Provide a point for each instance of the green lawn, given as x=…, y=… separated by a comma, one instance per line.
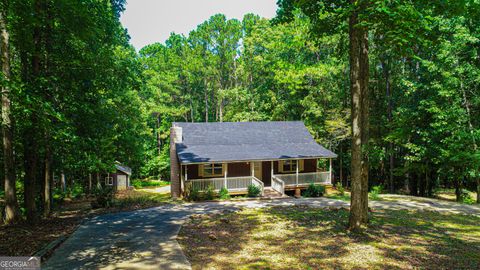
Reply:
x=148, y=183
x=307, y=238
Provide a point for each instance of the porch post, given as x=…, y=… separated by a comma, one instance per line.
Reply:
x=186, y=174
x=296, y=173
x=225, y=178
x=330, y=172
x=182, y=179
x=271, y=169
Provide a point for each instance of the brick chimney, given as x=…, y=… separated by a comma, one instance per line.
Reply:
x=176, y=136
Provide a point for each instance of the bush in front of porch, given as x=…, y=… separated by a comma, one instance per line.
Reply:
x=314, y=191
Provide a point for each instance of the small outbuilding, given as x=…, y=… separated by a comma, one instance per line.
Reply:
x=120, y=180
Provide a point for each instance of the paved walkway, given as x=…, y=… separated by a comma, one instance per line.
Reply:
x=146, y=239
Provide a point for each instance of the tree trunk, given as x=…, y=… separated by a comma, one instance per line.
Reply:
x=359, y=93
x=47, y=181
x=90, y=184
x=99, y=185
x=478, y=189
x=159, y=139
x=63, y=183
x=458, y=190
x=413, y=184
x=341, y=166
x=386, y=73
x=206, y=100
x=30, y=155
x=474, y=142
x=12, y=212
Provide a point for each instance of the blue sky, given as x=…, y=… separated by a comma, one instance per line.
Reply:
x=150, y=21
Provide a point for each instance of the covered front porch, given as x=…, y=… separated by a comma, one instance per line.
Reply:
x=278, y=175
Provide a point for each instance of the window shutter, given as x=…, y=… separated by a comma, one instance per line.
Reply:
x=280, y=166
x=200, y=170
x=300, y=165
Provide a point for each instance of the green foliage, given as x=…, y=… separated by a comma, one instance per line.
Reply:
x=104, y=197
x=465, y=197
x=76, y=191
x=375, y=192
x=209, y=193
x=314, y=191
x=141, y=200
x=223, y=194
x=193, y=194
x=340, y=188
x=253, y=191
x=142, y=183
x=58, y=196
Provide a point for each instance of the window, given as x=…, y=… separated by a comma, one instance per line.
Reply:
x=289, y=166
x=213, y=169
x=109, y=181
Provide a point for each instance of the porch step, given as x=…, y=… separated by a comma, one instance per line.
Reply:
x=269, y=192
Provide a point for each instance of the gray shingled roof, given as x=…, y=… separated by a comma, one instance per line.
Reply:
x=242, y=141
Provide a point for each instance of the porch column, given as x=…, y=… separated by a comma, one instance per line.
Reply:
x=186, y=172
x=330, y=172
x=271, y=169
x=296, y=173
x=225, y=178
x=182, y=179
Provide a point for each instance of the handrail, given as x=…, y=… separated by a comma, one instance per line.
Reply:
x=258, y=182
x=277, y=181
x=305, y=178
x=230, y=183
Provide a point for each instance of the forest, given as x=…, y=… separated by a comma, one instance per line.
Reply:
x=77, y=97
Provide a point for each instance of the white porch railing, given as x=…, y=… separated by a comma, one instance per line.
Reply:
x=231, y=183
x=304, y=178
x=278, y=184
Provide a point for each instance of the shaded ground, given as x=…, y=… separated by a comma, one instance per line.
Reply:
x=146, y=239
x=25, y=240
x=302, y=237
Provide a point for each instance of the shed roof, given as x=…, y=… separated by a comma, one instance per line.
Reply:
x=244, y=141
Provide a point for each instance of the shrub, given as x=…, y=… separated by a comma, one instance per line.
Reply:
x=209, y=193
x=103, y=197
x=375, y=192
x=193, y=194
x=314, y=191
x=223, y=194
x=465, y=197
x=253, y=191
x=76, y=191
x=340, y=189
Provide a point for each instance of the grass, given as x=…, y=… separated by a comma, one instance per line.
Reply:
x=449, y=194
x=138, y=199
x=146, y=183
x=308, y=238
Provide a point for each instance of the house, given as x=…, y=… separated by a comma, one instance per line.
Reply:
x=120, y=180
x=275, y=155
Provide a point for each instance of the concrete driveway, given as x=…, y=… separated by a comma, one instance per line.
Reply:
x=146, y=239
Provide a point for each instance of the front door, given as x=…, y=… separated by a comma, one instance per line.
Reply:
x=257, y=170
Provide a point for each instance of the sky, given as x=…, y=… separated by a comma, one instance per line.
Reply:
x=150, y=21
